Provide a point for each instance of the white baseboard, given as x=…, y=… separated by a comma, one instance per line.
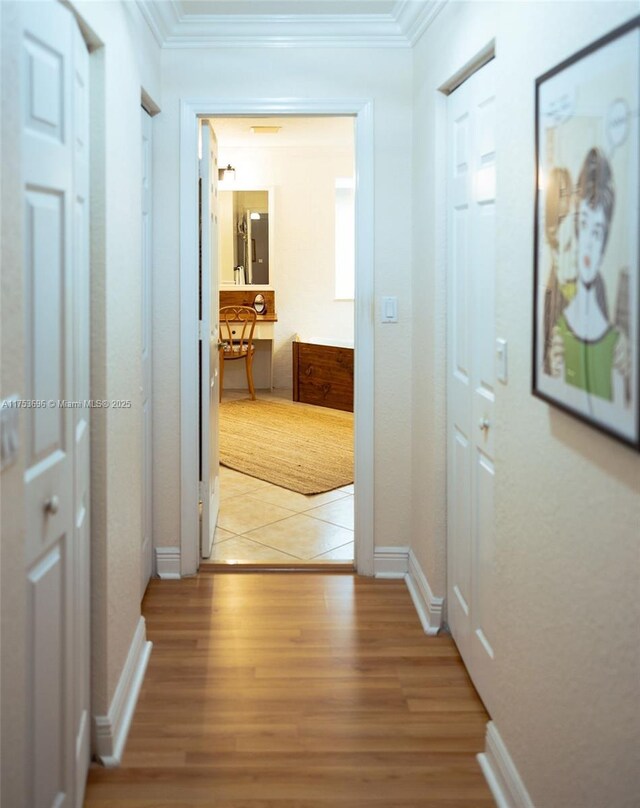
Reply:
x=400, y=562
x=501, y=774
x=428, y=606
x=390, y=562
x=168, y=562
x=110, y=731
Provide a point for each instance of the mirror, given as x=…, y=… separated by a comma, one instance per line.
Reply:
x=260, y=304
x=243, y=247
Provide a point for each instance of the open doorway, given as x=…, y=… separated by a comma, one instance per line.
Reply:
x=187, y=555
x=285, y=216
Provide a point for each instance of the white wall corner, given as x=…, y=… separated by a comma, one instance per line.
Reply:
x=429, y=607
x=390, y=562
x=168, y=562
x=111, y=730
x=501, y=774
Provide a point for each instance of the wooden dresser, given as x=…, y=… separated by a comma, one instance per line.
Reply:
x=323, y=375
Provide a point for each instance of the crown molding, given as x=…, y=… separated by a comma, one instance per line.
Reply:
x=161, y=17
x=415, y=17
x=173, y=28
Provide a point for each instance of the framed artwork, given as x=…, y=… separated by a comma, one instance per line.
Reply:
x=586, y=349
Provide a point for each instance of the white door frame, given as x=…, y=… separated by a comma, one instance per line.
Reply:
x=146, y=550
x=190, y=111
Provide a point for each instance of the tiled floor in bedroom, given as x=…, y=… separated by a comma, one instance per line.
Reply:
x=263, y=523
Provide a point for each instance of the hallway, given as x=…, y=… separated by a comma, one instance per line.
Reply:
x=278, y=690
x=493, y=187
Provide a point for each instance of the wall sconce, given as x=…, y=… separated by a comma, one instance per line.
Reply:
x=228, y=173
x=255, y=215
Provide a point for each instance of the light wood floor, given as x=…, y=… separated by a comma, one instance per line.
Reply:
x=296, y=691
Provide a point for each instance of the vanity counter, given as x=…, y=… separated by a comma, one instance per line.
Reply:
x=245, y=297
x=263, y=336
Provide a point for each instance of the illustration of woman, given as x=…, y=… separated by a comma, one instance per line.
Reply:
x=560, y=235
x=584, y=341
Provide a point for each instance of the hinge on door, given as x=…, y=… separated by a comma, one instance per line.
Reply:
x=201, y=491
x=200, y=329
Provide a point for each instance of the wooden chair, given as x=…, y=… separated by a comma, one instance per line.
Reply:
x=237, y=324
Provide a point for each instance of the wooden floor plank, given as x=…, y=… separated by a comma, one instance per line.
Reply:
x=296, y=691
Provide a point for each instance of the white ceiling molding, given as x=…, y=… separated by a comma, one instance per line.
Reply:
x=175, y=27
x=415, y=18
x=162, y=18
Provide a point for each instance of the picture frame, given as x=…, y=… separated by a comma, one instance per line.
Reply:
x=586, y=302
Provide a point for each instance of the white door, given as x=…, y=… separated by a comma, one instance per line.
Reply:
x=209, y=325
x=147, y=456
x=471, y=206
x=55, y=165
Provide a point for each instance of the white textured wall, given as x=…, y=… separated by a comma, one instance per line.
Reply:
x=302, y=269
x=127, y=62
x=567, y=567
x=385, y=76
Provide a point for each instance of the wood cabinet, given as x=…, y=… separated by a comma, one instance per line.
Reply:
x=323, y=375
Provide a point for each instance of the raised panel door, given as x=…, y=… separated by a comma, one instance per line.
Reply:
x=471, y=205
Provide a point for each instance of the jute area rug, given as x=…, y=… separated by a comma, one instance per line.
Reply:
x=305, y=449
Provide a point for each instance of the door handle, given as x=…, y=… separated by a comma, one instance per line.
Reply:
x=484, y=424
x=52, y=505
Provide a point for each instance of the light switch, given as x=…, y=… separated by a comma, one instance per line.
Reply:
x=389, y=309
x=8, y=431
x=501, y=360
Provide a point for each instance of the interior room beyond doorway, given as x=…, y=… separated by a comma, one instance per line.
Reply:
x=286, y=231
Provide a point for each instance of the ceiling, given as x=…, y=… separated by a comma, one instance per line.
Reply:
x=288, y=23
x=295, y=131
x=302, y=7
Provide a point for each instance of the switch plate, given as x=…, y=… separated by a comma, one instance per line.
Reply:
x=389, y=310
x=9, y=425
x=501, y=360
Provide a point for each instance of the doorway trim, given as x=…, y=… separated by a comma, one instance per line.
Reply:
x=191, y=110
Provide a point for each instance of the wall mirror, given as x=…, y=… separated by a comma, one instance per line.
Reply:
x=243, y=246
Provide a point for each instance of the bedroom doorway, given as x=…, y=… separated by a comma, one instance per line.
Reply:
x=362, y=494
x=285, y=214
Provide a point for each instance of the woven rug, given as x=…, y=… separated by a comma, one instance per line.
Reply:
x=305, y=449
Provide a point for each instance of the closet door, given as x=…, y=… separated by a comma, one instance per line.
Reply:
x=55, y=203
x=471, y=205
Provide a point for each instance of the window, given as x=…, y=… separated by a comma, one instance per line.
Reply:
x=345, y=239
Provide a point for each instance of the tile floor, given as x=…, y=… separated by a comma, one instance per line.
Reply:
x=263, y=523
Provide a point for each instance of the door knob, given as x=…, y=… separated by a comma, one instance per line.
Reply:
x=52, y=505
x=484, y=424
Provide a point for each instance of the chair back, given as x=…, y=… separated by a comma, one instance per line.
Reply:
x=237, y=324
